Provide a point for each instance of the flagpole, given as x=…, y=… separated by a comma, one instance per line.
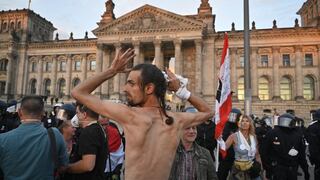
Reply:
x=247, y=74
x=217, y=157
x=29, y=4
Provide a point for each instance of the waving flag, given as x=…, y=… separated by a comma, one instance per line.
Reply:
x=223, y=95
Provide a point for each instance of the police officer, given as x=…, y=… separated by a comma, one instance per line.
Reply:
x=313, y=137
x=286, y=150
x=3, y=120
x=263, y=126
x=231, y=127
x=205, y=135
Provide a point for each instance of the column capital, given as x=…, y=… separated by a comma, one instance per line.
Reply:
x=100, y=46
x=275, y=49
x=233, y=50
x=136, y=43
x=69, y=56
x=318, y=46
x=117, y=45
x=198, y=42
x=254, y=50
x=177, y=42
x=157, y=42
x=298, y=48
x=11, y=55
x=84, y=55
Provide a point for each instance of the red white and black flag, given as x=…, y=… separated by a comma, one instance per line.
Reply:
x=223, y=95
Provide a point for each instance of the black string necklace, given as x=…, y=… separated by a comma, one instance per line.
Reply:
x=168, y=120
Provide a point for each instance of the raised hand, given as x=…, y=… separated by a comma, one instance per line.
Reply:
x=174, y=83
x=119, y=63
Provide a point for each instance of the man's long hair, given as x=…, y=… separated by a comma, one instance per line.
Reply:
x=151, y=74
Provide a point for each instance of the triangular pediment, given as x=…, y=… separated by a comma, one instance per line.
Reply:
x=149, y=19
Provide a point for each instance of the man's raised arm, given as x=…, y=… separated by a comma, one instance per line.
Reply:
x=82, y=92
x=205, y=112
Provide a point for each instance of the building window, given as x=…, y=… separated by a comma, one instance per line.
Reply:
x=263, y=88
x=286, y=59
x=75, y=82
x=264, y=60
x=47, y=66
x=2, y=87
x=5, y=27
x=77, y=65
x=285, y=89
x=241, y=88
x=308, y=58
x=241, y=61
x=3, y=65
x=19, y=25
x=33, y=66
x=308, y=88
x=12, y=26
x=62, y=87
x=62, y=66
x=33, y=86
x=47, y=85
x=92, y=65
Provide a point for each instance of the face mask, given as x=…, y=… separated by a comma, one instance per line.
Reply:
x=75, y=121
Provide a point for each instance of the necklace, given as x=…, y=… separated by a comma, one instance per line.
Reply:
x=168, y=120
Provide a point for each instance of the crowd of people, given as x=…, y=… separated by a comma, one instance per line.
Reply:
x=96, y=139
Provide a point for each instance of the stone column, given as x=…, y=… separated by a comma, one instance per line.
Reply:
x=158, y=59
x=84, y=67
x=8, y=87
x=106, y=64
x=234, y=77
x=22, y=70
x=54, y=76
x=69, y=74
x=276, y=78
x=178, y=65
x=99, y=60
x=136, y=45
x=319, y=71
x=208, y=71
x=26, y=77
x=141, y=57
x=254, y=73
x=39, y=76
x=298, y=73
x=198, y=67
x=116, y=80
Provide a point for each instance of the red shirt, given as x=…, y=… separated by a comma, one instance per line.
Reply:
x=114, y=139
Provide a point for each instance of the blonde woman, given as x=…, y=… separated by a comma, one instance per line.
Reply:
x=246, y=151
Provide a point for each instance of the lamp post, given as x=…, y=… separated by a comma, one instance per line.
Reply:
x=247, y=74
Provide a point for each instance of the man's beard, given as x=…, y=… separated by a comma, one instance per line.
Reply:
x=132, y=103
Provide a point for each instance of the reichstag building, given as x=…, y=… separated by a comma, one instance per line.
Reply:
x=285, y=62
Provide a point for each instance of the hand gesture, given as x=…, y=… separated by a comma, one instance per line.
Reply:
x=174, y=83
x=119, y=63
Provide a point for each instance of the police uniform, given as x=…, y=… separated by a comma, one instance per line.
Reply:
x=313, y=138
x=231, y=127
x=286, y=150
x=262, y=128
x=205, y=136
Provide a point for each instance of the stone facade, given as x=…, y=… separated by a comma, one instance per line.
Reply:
x=285, y=62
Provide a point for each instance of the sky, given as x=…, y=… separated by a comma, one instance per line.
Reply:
x=78, y=16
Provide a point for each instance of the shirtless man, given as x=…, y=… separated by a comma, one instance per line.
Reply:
x=152, y=134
